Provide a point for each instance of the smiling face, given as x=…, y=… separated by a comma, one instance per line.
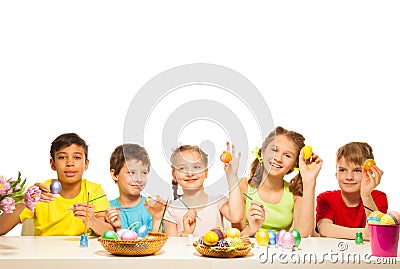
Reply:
x=189, y=170
x=132, y=177
x=280, y=156
x=349, y=175
x=69, y=163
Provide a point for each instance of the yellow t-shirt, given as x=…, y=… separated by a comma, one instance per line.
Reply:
x=54, y=218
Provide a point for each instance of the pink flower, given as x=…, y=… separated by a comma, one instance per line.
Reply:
x=4, y=186
x=7, y=205
x=17, y=187
x=32, y=196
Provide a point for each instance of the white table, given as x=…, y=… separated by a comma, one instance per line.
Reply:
x=64, y=252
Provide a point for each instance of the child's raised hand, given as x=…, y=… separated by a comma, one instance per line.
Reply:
x=370, y=180
x=256, y=216
x=45, y=195
x=309, y=170
x=156, y=207
x=79, y=211
x=231, y=168
x=113, y=217
x=189, y=221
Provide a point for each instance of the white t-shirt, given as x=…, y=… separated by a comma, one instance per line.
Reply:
x=208, y=217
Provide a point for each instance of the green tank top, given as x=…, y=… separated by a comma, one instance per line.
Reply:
x=281, y=214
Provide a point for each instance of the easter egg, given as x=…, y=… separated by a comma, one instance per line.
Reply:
x=262, y=237
x=368, y=164
x=142, y=231
x=297, y=237
x=226, y=157
x=129, y=235
x=375, y=217
x=233, y=233
x=110, y=235
x=395, y=216
x=386, y=220
x=287, y=240
x=121, y=231
x=272, y=237
x=236, y=242
x=307, y=152
x=219, y=233
x=210, y=238
x=279, y=237
x=151, y=201
x=55, y=186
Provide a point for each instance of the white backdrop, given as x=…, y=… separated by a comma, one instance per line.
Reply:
x=327, y=70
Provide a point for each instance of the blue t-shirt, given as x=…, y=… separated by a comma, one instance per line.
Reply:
x=137, y=213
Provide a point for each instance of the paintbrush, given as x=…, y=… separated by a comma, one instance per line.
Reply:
x=118, y=208
x=87, y=214
x=94, y=199
x=262, y=206
x=180, y=199
x=163, y=214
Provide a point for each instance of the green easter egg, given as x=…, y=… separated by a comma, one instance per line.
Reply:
x=297, y=237
x=110, y=235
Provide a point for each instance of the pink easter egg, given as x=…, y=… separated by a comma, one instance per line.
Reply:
x=129, y=235
x=121, y=232
x=279, y=237
x=287, y=240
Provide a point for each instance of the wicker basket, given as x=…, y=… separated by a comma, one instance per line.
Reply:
x=223, y=252
x=146, y=246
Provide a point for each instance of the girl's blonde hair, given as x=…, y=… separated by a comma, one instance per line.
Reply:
x=355, y=152
x=178, y=150
x=257, y=168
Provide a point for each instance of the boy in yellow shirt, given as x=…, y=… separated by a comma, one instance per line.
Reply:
x=64, y=214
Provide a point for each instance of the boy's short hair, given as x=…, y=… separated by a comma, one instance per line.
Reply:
x=355, y=152
x=66, y=140
x=127, y=152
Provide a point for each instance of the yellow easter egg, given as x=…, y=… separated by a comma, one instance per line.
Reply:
x=210, y=238
x=262, y=237
x=233, y=233
x=307, y=152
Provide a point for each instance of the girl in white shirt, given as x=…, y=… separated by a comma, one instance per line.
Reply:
x=195, y=212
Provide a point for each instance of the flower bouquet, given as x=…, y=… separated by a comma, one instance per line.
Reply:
x=12, y=192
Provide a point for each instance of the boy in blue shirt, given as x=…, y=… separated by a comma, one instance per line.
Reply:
x=129, y=168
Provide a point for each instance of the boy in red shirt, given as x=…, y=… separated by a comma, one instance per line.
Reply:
x=343, y=213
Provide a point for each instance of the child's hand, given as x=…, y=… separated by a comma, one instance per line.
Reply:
x=231, y=168
x=256, y=216
x=189, y=221
x=45, y=195
x=309, y=170
x=156, y=209
x=79, y=211
x=113, y=217
x=370, y=180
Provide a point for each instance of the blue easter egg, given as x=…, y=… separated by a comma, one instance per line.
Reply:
x=142, y=231
x=272, y=237
x=55, y=186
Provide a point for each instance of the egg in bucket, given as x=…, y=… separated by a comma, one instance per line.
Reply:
x=384, y=236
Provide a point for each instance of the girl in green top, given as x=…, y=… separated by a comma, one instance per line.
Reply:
x=277, y=204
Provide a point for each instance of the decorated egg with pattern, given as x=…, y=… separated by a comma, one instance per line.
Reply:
x=55, y=186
